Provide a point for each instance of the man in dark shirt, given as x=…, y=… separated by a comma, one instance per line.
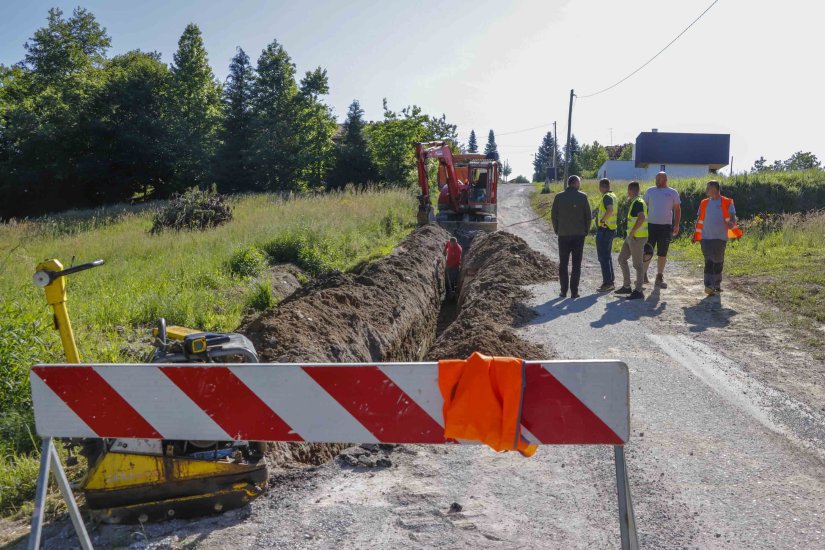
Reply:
x=570, y=216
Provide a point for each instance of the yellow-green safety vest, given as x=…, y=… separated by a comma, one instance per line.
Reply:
x=631, y=220
x=610, y=220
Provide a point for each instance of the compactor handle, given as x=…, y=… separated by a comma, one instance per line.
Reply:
x=45, y=277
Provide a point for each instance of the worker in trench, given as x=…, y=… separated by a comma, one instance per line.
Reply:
x=452, y=251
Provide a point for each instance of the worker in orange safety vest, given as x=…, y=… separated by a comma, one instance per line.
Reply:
x=715, y=225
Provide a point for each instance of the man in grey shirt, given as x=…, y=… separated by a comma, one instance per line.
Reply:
x=664, y=210
x=715, y=224
x=570, y=216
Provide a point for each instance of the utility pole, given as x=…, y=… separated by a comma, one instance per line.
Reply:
x=567, y=150
x=611, y=137
x=731, y=166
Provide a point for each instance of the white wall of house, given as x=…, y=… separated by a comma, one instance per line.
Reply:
x=627, y=170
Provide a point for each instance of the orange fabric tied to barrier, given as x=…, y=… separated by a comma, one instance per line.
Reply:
x=483, y=401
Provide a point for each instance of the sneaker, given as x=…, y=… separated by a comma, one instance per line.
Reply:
x=636, y=295
x=624, y=290
x=709, y=291
x=574, y=295
x=718, y=289
x=660, y=281
x=563, y=294
x=606, y=287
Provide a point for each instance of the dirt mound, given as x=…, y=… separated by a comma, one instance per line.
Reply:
x=388, y=312
x=491, y=299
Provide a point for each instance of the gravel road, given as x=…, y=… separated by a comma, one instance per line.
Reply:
x=722, y=453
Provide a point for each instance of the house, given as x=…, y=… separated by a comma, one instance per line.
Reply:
x=681, y=155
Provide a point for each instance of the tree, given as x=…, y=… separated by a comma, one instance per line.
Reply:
x=627, y=152
x=65, y=47
x=315, y=128
x=760, y=165
x=353, y=163
x=43, y=105
x=275, y=119
x=506, y=170
x=472, y=143
x=194, y=111
x=491, y=149
x=543, y=159
x=234, y=167
x=802, y=161
x=591, y=158
x=391, y=142
x=127, y=137
x=520, y=179
x=574, y=166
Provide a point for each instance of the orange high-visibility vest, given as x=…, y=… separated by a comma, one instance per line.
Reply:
x=733, y=233
x=482, y=401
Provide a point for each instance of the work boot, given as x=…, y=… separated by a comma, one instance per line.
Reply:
x=636, y=295
x=717, y=289
x=606, y=287
x=624, y=290
x=660, y=281
x=709, y=291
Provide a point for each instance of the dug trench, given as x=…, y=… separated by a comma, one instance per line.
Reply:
x=395, y=309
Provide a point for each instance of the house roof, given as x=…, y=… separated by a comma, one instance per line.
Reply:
x=712, y=150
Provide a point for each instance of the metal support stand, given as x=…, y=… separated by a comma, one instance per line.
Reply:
x=627, y=519
x=49, y=460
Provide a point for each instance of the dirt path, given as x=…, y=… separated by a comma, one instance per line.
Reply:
x=724, y=452
x=719, y=456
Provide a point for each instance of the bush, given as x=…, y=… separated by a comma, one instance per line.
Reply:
x=247, y=262
x=519, y=179
x=261, y=297
x=194, y=209
x=308, y=250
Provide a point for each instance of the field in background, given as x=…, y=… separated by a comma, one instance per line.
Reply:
x=207, y=280
x=780, y=258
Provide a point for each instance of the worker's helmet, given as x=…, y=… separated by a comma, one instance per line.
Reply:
x=648, y=253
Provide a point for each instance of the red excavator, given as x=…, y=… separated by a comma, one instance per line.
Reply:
x=468, y=203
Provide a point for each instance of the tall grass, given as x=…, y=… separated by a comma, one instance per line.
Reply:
x=203, y=279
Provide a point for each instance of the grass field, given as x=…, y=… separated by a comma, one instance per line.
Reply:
x=780, y=257
x=207, y=280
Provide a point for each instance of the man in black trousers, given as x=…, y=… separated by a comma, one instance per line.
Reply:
x=570, y=216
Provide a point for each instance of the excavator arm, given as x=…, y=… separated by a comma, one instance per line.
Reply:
x=438, y=150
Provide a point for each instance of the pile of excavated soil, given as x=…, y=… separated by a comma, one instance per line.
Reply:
x=387, y=312
x=492, y=299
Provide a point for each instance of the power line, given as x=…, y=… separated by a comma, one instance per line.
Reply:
x=525, y=130
x=654, y=57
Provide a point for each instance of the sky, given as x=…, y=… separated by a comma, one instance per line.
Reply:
x=751, y=68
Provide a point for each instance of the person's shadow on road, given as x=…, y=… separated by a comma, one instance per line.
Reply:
x=708, y=313
x=622, y=309
x=559, y=307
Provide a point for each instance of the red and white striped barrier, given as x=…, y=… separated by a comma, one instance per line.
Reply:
x=565, y=402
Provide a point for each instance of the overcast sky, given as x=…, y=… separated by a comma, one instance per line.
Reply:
x=751, y=68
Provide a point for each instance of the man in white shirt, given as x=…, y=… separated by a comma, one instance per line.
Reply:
x=664, y=209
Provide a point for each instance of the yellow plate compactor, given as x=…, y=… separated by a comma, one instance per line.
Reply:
x=139, y=480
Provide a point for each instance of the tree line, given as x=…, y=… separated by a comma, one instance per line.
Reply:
x=80, y=129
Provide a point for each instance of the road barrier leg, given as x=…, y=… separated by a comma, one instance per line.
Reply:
x=50, y=460
x=627, y=519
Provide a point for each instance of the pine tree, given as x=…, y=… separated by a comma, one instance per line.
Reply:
x=491, y=150
x=315, y=129
x=543, y=159
x=472, y=144
x=275, y=119
x=234, y=166
x=353, y=162
x=574, y=166
x=194, y=111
